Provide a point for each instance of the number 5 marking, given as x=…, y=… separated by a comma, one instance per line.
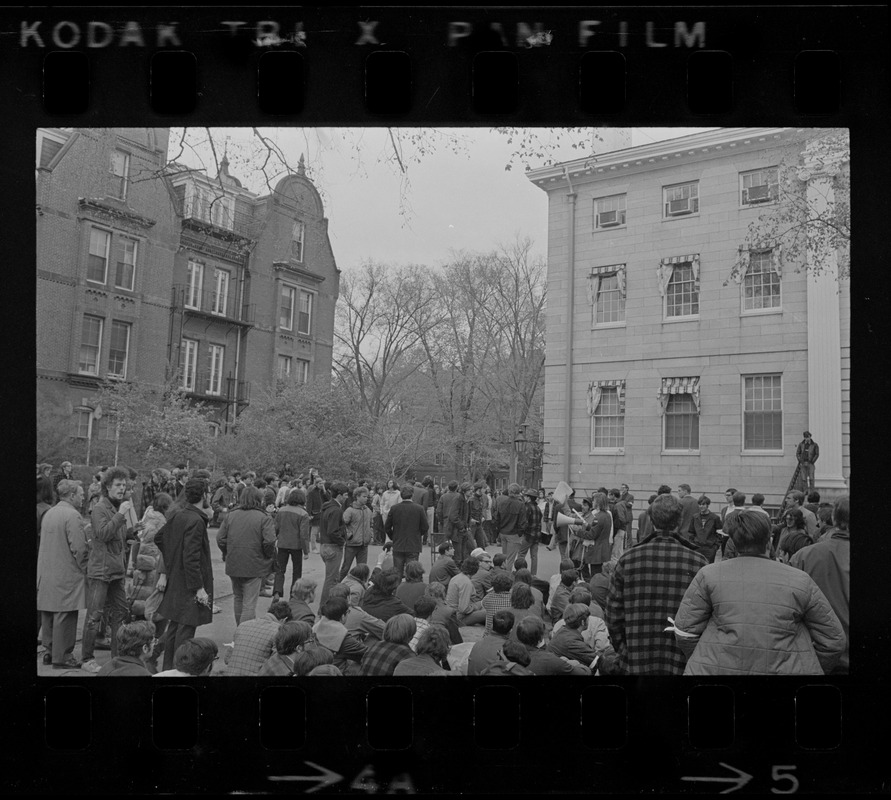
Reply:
x=777, y=774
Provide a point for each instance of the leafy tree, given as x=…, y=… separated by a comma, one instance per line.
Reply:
x=803, y=230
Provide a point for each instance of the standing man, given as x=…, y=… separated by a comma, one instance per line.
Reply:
x=66, y=474
x=406, y=525
x=706, y=525
x=292, y=541
x=188, y=597
x=107, y=568
x=647, y=587
x=61, y=575
x=222, y=500
x=689, y=509
x=332, y=536
x=452, y=512
x=357, y=518
x=150, y=488
x=510, y=523
x=475, y=504
x=807, y=453
x=428, y=501
x=533, y=530
x=316, y=497
x=795, y=499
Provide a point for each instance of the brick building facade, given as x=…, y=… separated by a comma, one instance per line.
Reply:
x=146, y=270
x=659, y=367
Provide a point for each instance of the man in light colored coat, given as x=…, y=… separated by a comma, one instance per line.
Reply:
x=61, y=575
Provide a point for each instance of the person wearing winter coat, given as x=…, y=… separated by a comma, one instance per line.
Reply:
x=357, y=519
x=591, y=546
x=292, y=531
x=791, y=630
x=188, y=596
x=61, y=575
x=135, y=643
x=247, y=541
x=331, y=632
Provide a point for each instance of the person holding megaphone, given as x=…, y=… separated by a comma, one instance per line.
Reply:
x=591, y=540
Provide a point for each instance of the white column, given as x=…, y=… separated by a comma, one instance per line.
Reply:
x=823, y=333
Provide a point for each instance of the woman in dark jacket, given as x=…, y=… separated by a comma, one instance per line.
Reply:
x=188, y=596
x=593, y=545
x=292, y=523
x=247, y=540
x=793, y=536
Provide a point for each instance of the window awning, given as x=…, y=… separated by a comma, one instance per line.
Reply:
x=666, y=268
x=598, y=272
x=745, y=258
x=670, y=386
x=595, y=391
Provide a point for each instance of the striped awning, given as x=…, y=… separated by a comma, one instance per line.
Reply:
x=666, y=268
x=670, y=386
x=745, y=254
x=595, y=390
x=598, y=272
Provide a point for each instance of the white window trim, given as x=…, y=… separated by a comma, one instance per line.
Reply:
x=299, y=223
x=297, y=312
x=595, y=325
x=291, y=327
x=78, y=411
x=684, y=451
x=605, y=451
x=674, y=218
x=215, y=389
x=98, y=349
x=217, y=272
x=189, y=375
x=286, y=361
x=125, y=176
x=132, y=286
x=104, y=281
x=189, y=273
x=302, y=365
x=122, y=376
x=768, y=203
x=742, y=417
x=757, y=312
x=687, y=317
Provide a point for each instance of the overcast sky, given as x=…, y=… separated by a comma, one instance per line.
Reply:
x=444, y=201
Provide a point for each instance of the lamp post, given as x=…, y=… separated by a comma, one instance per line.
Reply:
x=519, y=449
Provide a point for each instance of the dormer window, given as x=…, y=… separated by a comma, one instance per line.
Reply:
x=297, y=236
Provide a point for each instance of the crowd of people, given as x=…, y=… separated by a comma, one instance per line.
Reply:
x=685, y=590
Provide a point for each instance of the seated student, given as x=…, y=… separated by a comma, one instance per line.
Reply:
x=380, y=600
x=554, y=581
x=414, y=586
x=359, y=623
x=542, y=587
x=445, y=568
x=514, y=661
x=290, y=638
x=433, y=649
x=310, y=657
x=254, y=640
x=595, y=632
x=135, y=643
x=567, y=641
x=599, y=584
x=444, y=614
x=324, y=670
x=302, y=594
x=498, y=562
x=357, y=581
x=538, y=605
x=193, y=659
x=424, y=608
x=381, y=658
x=332, y=633
x=568, y=580
x=487, y=649
x=460, y=595
x=531, y=634
x=522, y=604
x=498, y=599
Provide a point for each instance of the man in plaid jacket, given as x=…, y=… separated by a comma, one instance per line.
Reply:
x=648, y=585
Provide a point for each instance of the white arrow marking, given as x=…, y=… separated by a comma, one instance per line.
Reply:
x=327, y=778
x=741, y=779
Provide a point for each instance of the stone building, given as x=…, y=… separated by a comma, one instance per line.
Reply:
x=661, y=368
x=148, y=271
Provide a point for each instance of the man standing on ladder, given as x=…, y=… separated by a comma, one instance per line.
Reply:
x=807, y=453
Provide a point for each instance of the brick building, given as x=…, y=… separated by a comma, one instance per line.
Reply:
x=146, y=270
x=659, y=368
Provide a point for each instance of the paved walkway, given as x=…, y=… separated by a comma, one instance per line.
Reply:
x=222, y=629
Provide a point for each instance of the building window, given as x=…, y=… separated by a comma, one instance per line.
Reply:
x=680, y=200
x=222, y=211
x=284, y=367
x=107, y=427
x=302, y=370
x=48, y=145
x=682, y=290
x=120, y=173
x=763, y=412
x=97, y=262
x=304, y=319
x=758, y=186
x=126, y=264
x=220, y=291
x=609, y=212
x=189, y=363
x=80, y=423
x=195, y=285
x=608, y=297
x=215, y=370
x=197, y=202
x=118, y=349
x=439, y=460
x=297, y=236
x=679, y=406
x=90, y=346
x=608, y=417
x=286, y=310
x=761, y=284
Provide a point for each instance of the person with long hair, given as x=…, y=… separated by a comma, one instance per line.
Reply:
x=793, y=536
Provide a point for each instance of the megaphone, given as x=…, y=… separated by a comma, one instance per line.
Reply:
x=564, y=519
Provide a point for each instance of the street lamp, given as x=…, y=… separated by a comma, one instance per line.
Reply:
x=519, y=449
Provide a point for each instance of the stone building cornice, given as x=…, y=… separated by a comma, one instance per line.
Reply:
x=288, y=267
x=96, y=208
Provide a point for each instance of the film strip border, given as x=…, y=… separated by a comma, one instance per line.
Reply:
x=435, y=736
x=555, y=66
